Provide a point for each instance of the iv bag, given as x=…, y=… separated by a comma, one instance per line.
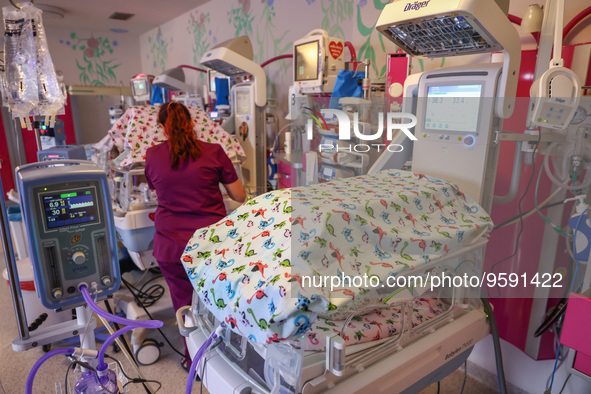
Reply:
x=19, y=64
x=51, y=98
x=3, y=87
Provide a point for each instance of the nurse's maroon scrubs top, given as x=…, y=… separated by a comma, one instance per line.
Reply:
x=189, y=197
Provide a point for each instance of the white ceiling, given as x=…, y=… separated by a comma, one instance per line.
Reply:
x=94, y=14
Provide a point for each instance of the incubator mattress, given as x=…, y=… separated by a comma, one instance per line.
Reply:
x=250, y=268
x=138, y=130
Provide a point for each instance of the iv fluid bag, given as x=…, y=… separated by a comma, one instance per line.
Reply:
x=19, y=62
x=51, y=98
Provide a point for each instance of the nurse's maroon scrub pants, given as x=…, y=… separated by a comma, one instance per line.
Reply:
x=181, y=289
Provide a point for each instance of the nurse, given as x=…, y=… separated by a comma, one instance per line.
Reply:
x=186, y=174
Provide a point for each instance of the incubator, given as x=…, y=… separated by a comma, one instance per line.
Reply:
x=413, y=319
x=133, y=202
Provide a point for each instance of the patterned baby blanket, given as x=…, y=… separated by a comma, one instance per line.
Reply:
x=260, y=269
x=138, y=130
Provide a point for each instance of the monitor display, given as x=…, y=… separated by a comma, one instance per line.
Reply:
x=140, y=87
x=306, y=61
x=453, y=108
x=242, y=103
x=65, y=208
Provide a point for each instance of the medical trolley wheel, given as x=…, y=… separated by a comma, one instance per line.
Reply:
x=148, y=353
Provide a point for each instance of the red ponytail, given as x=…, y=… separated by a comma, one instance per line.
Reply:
x=178, y=127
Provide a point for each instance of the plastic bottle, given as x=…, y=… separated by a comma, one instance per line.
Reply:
x=88, y=383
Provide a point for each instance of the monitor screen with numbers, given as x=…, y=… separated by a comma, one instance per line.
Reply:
x=453, y=108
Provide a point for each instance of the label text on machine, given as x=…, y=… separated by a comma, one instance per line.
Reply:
x=417, y=5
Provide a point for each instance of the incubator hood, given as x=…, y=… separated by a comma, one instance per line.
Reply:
x=234, y=58
x=173, y=79
x=437, y=28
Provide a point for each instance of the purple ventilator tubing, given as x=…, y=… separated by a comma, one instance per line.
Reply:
x=131, y=324
x=198, y=356
x=51, y=353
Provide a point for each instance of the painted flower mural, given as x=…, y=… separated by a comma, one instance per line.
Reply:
x=202, y=35
x=335, y=13
x=159, y=47
x=241, y=18
x=97, y=65
x=269, y=43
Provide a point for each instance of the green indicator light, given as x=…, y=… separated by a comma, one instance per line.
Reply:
x=88, y=192
x=66, y=195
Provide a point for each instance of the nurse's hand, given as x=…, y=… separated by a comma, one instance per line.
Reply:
x=236, y=191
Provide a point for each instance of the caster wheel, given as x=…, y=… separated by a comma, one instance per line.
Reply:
x=148, y=353
x=46, y=348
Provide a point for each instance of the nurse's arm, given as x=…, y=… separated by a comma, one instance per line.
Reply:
x=236, y=191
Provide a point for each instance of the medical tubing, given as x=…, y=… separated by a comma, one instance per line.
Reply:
x=101, y=354
x=577, y=271
x=351, y=48
x=117, y=319
x=575, y=21
x=278, y=134
x=496, y=344
x=274, y=59
x=555, y=180
x=193, y=68
x=200, y=354
x=556, y=228
x=126, y=351
x=51, y=353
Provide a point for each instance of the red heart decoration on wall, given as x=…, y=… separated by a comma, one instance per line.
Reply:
x=335, y=49
x=152, y=216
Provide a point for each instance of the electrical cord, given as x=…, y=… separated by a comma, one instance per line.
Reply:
x=465, y=376
x=66, y=378
x=131, y=380
x=150, y=296
x=438, y=387
x=150, y=316
x=121, y=340
x=496, y=344
x=492, y=269
x=565, y=382
x=527, y=214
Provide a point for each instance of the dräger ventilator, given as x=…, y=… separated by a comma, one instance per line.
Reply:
x=68, y=215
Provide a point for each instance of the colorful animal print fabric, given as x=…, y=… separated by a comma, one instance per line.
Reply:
x=138, y=129
x=260, y=268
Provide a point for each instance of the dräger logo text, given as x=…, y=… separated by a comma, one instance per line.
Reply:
x=416, y=5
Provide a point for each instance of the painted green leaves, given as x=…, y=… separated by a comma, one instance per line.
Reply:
x=199, y=28
x=159, y=50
